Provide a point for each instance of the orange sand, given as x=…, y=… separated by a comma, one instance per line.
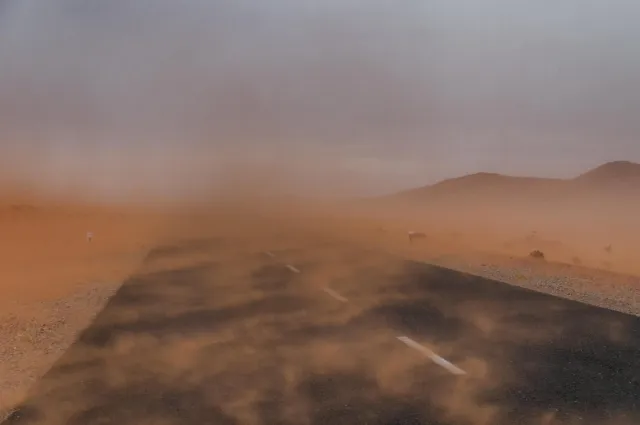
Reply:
x=46, y=255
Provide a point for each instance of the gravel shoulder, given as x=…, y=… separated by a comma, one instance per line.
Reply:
x=596, y=287
x=35, y=335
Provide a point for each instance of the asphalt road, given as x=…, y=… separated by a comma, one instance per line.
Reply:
x=333, y=335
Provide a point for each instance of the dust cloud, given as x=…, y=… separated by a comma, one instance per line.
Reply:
x=150, y=99
x=190, y=139
x=211, y=327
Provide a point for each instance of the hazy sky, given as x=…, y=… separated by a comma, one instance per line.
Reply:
x=395, y=93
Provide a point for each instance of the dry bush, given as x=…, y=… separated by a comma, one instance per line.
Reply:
x=537, y=254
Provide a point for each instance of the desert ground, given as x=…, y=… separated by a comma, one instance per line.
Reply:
x=54, y=281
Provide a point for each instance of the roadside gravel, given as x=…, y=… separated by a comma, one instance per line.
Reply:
x=596, y=287
x=602, y=288
x=34, y=336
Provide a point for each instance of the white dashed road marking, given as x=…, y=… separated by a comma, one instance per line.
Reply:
x=293, y=269
x=405, y=339
x=335, y=295
x=432, y=356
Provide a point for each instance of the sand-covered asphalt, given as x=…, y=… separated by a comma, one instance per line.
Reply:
x=330, y=334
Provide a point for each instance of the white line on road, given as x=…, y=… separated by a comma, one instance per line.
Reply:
x=270, y=254
x=335, y=295
x=293, y=269
x=433, y=356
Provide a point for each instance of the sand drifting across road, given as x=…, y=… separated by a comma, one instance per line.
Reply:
x=53, y=280
x=58, y=280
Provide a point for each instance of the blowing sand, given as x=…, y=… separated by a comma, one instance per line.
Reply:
x=576, y=264
x=53, y=280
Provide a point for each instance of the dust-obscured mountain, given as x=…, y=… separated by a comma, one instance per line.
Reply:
x=618, y=178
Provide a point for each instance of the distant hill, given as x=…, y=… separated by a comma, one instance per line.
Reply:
x=613, y=177
x=616, y=171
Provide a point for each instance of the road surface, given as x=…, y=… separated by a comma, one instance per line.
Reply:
x=335, y=335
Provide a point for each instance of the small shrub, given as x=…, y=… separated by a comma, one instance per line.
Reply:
x=537, y=254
